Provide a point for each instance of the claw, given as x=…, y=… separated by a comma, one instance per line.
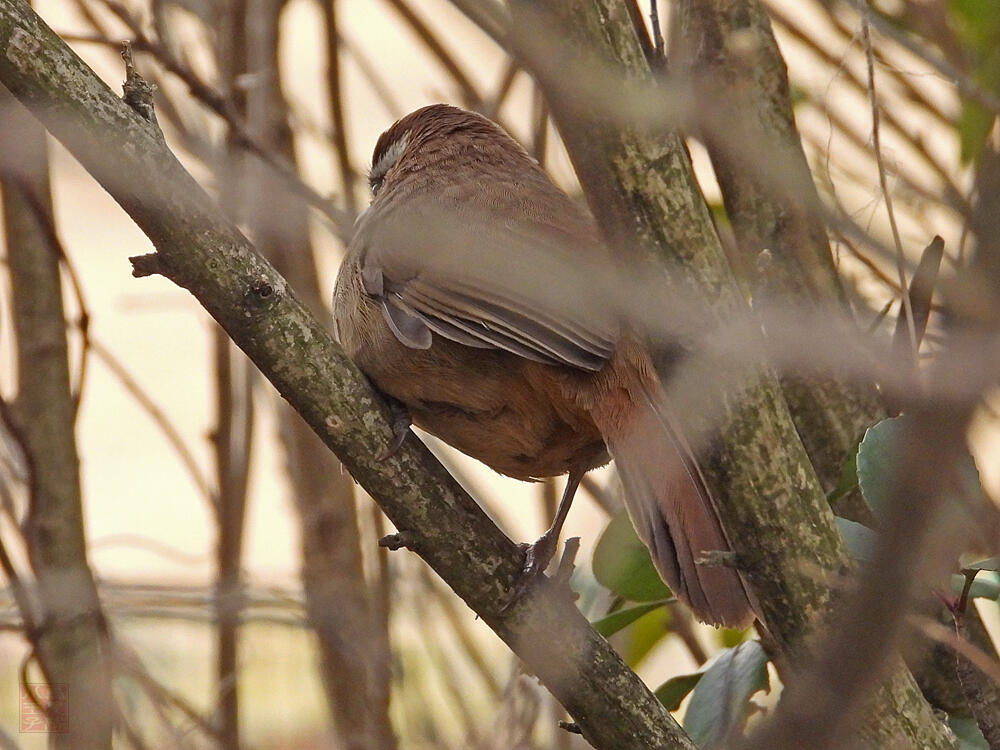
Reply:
x=400, y=422
x=537, y=557
x=539, y=553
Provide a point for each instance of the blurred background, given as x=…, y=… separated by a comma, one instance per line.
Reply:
x=207, y=510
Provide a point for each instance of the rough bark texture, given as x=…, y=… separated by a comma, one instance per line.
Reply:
x=642, y=190
x=72, y=631
x=726, y=52
x=204, y=253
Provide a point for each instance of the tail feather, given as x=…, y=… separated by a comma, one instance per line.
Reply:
x=673, y=512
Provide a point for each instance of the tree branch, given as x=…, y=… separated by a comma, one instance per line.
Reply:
x=206, y=254
x=726, y=51
x=643, y=192
x=70, y=634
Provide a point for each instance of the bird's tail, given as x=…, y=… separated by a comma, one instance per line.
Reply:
x=672, y=510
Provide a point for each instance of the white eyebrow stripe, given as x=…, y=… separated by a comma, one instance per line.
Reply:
x=390, y=157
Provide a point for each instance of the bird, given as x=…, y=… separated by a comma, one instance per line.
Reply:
x=474, y=295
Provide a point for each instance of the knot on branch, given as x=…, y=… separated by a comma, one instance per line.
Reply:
x=396, y=541
x=150, y=264
x=261, y=292
x=137, y=91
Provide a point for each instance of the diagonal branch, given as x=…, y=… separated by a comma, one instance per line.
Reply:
x=203, y=252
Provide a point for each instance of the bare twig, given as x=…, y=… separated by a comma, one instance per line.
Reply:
x=336, y=94
x=226, y=109
x=160, y=418
x=883, y=184
x=468, y=93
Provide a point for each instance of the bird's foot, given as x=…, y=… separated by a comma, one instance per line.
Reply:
x=537, y=557
x=400, y=422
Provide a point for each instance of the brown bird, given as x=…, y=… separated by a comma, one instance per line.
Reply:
x=474, y=295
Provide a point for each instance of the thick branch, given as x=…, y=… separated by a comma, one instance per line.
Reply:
x=207, y=255
x=728, y=54
x=644, y=194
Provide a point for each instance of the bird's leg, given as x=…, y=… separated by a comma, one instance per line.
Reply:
x=538, y=554
x=400, y=421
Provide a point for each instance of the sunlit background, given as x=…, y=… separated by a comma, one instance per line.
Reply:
x=150, y=526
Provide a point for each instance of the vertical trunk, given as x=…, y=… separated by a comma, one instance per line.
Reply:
x=72, y=635
x=745, y=117
x=349, y=615
x=233, y=432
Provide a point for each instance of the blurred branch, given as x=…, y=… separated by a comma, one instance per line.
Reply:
x=134, y=388
x=225, y=108
x=916, y=545
x=70, y=630
x=353, y=641
x=232, y=442
x=23, y=192
x=336, y=95
x=373, y=75
x=203, y=252
x=491, y=108
x=489, y=15
x=732, y=57
x=233, y=378
x=609, y=501
x=468, y=93
x=759, y=462
x=925, y=52
x=459, y=623
x=844, y=72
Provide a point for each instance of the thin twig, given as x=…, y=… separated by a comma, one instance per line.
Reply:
x=965, y=84
x=883, y=183
x=159, y=417
x=468, y=92
x=224, y=108
x=336, y=95
x=947, y=637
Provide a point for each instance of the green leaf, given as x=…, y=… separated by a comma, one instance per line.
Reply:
x=974, y=125
x=968, y=733
x=611, y=624
x=622, y=564
x=859, y=538
x=643, y=636
x=721, y=699
x=984, y=587
x=990, y=563
x=673, y=692
x=879, y=455
x=729, y=637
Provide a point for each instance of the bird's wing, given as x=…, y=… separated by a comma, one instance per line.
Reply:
x=532, y=283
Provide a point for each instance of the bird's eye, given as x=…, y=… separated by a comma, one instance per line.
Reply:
x=385, y=161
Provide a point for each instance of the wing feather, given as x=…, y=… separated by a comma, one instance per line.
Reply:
x=528, y=285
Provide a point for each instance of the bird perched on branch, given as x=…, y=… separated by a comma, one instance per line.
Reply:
x=474, y=295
